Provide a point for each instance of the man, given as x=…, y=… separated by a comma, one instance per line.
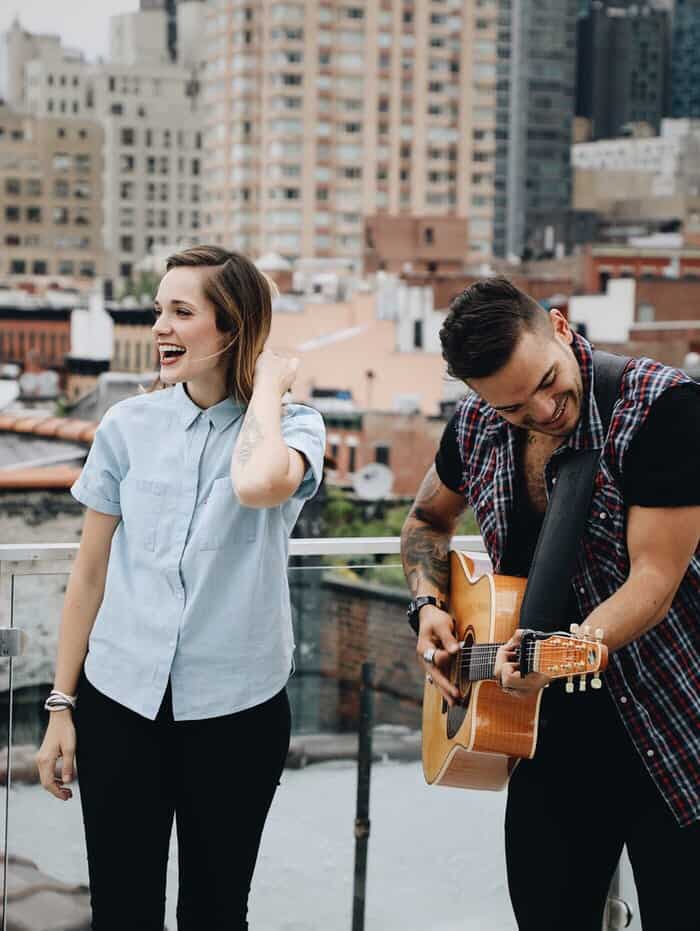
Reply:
x=620, y=765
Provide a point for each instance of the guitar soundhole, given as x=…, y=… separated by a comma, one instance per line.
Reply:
x=459, y=674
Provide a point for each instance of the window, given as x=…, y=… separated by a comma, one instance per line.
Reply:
x=429, y=235
x=12, y=186
x=381, y=454
x=19, y=267
x=418, y=334
x=60, y=215
x=40, y=268
x=34, y=214
x=12, y=214
x=128, y=136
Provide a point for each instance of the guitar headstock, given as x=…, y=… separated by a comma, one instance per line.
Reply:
x=563, y=656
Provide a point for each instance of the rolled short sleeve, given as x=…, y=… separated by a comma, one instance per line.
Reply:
x=663, y=460
x=303, y=429
x=105, y=467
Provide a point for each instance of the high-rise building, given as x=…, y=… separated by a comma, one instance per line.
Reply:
x=536, y=75
x=623, y=66
x=685, y=67
x=147, y=108
x=173, y=17
x=51, y=195
x=320, y=113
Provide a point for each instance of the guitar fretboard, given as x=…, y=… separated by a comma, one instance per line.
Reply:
x=477, y=661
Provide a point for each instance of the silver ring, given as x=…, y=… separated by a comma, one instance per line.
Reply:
x=429, y=655
x=429, y=679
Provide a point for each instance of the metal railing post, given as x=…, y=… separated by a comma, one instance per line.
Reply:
x=364, y=769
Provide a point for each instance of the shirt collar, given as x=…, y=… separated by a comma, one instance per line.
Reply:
x=220, y=416
x=588, y=433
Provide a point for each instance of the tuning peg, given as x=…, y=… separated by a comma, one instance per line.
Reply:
x=599, y=633
x=569, y=684
x=582, y=683
x=595, y=681
x=587, y=632
x=574, y=628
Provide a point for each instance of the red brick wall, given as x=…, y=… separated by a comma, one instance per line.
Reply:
x=631, y=266
x=18, y=337
x=445, y=287
x=412, y=439
x=367, y=622
x=673, y=299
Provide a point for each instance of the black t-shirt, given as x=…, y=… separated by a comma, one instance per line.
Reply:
x=662, y=467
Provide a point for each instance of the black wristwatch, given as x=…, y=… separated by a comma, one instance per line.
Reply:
x=413, y=610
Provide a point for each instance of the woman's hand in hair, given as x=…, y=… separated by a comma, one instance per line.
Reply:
x=272, y=368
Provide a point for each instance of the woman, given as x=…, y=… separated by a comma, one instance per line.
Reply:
x=176, y=629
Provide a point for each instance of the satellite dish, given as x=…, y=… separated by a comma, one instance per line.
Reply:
x=373, y=481
x=9, y=391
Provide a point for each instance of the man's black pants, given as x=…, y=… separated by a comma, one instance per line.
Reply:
x=573, y=807
x=217, y=777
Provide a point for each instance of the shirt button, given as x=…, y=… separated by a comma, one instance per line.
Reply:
x=581, y=590
x=623, y=700
x=650, y=752
x=602, y=515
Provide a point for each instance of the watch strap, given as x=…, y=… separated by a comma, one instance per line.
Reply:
x=413, y=611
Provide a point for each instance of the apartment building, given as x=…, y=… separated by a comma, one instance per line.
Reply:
x=147, y=108
x=51, y=195
x=320, y=113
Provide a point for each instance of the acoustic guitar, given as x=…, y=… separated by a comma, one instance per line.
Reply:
x=476, y=743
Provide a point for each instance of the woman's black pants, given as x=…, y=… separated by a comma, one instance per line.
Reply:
x=216, y=777
x=573, y=807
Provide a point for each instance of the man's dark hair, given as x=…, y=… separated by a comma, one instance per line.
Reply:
x=483, y=326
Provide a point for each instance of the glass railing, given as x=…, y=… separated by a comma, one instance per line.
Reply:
x=435, y=856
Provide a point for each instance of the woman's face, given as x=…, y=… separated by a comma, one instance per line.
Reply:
x=190, y=347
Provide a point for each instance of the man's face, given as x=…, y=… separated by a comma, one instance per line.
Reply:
x=540, y=387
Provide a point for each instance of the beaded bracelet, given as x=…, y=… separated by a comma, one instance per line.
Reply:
x=59, y=701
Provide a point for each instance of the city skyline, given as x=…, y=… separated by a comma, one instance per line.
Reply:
x=85, y=27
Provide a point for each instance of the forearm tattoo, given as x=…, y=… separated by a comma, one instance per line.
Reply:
x=425, y=548
x=251, y=436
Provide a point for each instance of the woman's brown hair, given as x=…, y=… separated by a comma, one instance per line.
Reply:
x=242, y=300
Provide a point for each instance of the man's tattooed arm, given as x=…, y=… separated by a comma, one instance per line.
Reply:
x=425, y=539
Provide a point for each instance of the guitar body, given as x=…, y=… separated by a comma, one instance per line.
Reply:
x=477, y=743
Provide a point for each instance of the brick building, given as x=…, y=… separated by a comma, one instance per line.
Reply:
x=604, y=262
x=427, y=244
x=43, y=332
x=406, y=443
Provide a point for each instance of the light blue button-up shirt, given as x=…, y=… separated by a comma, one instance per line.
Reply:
x=196, y=589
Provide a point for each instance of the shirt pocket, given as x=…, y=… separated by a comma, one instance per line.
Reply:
x=142, y=502
x=225, y=522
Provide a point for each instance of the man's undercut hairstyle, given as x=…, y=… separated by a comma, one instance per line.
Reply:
x=483, y=326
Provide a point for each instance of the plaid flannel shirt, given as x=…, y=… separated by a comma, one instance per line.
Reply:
x=655, y=680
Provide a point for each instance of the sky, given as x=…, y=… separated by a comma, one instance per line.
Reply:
x=80, y=24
